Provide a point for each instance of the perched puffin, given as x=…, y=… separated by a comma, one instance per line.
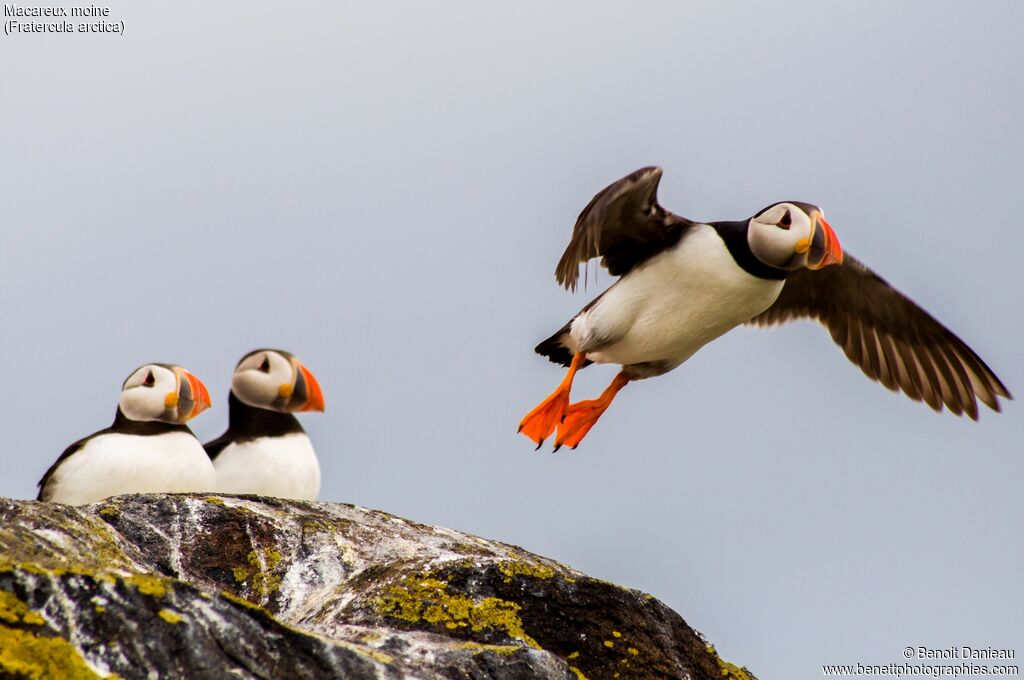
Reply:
x=265, y=451
x=684, y=283
x=148, y=449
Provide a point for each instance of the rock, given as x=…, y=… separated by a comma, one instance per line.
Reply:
x=176, y=586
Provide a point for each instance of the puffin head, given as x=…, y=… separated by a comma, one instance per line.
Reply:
x=163, y=392
x=275, y=380
x=792, y=235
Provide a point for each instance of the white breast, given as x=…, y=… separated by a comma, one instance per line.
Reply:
x=668, y=308
x=112, y=464
x=285, y=467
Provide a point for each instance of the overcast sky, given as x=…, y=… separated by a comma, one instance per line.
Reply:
x=384, y=189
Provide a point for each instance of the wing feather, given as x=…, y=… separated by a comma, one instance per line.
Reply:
x=623, y=225
x=892, y=339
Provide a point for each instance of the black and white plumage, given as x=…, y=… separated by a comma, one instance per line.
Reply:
x=265, y=450
x=148, y=449
x=684, y=283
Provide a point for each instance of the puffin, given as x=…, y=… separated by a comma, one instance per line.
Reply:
x=683, y=283
x=148, y=449
x=265, y=451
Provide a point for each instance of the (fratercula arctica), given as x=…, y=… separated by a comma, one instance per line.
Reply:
x=265, y=451
x=684, y=283
x=148, y=449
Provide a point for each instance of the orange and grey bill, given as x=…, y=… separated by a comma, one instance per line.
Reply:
x=583, y=415
x=200, y=395
x=315, y=402
x=541, y=422
x=825, y=242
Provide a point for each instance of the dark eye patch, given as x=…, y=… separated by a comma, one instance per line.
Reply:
x=786, y=220
x=150, y=379
x=265, y=366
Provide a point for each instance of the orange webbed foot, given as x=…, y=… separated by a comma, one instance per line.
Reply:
x=541, y=421
x=583, y=415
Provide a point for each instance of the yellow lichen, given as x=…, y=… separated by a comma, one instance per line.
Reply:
x=323, y=526
x=32, y=568
x=423, y=598
x=729, y=671
x=271, y=556
x=33, y=619
x=13, y=610
x=633, y=650
x=214, y=500
x=100, y=609
x=110, y=511
x=578, y=672
x=616, y=633
x=265, y=584
x=169, y=616
x=513, y=569
x=245, y=603
x=504, y=650
x=23, y=654
x=573, y=655
x=258, y=576
x=609, y=644
x=148, y=585
x=102, y=552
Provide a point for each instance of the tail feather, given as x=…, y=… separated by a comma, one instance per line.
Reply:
x=555, y=350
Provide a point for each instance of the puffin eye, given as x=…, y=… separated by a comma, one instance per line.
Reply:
x=150, y=380
x=785, y=221
x=265, y=366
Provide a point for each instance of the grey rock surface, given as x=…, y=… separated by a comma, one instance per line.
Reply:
x=176, y=586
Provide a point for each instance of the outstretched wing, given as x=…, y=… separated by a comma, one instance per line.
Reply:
x=892, y=339
x=623, y=225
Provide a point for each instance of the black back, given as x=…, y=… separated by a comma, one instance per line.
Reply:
x=246, y=423
x=122, y=425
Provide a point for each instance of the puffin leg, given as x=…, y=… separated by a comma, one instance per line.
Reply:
x=539, y=423
x=582, y=415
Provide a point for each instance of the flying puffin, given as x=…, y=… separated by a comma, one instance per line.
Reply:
x=148, y=449
x=684, y=283
x=265, y=451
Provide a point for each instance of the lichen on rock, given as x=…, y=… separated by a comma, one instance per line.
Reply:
x=207, y=586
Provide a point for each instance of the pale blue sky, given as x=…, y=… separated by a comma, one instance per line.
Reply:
x=384, y=189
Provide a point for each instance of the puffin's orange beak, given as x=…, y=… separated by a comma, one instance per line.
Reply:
x=192, y=395
x=825, y=248
x=305, y=383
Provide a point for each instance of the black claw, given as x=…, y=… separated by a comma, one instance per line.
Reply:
x=539, y=445
x=555, y=450
x=519, y=430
